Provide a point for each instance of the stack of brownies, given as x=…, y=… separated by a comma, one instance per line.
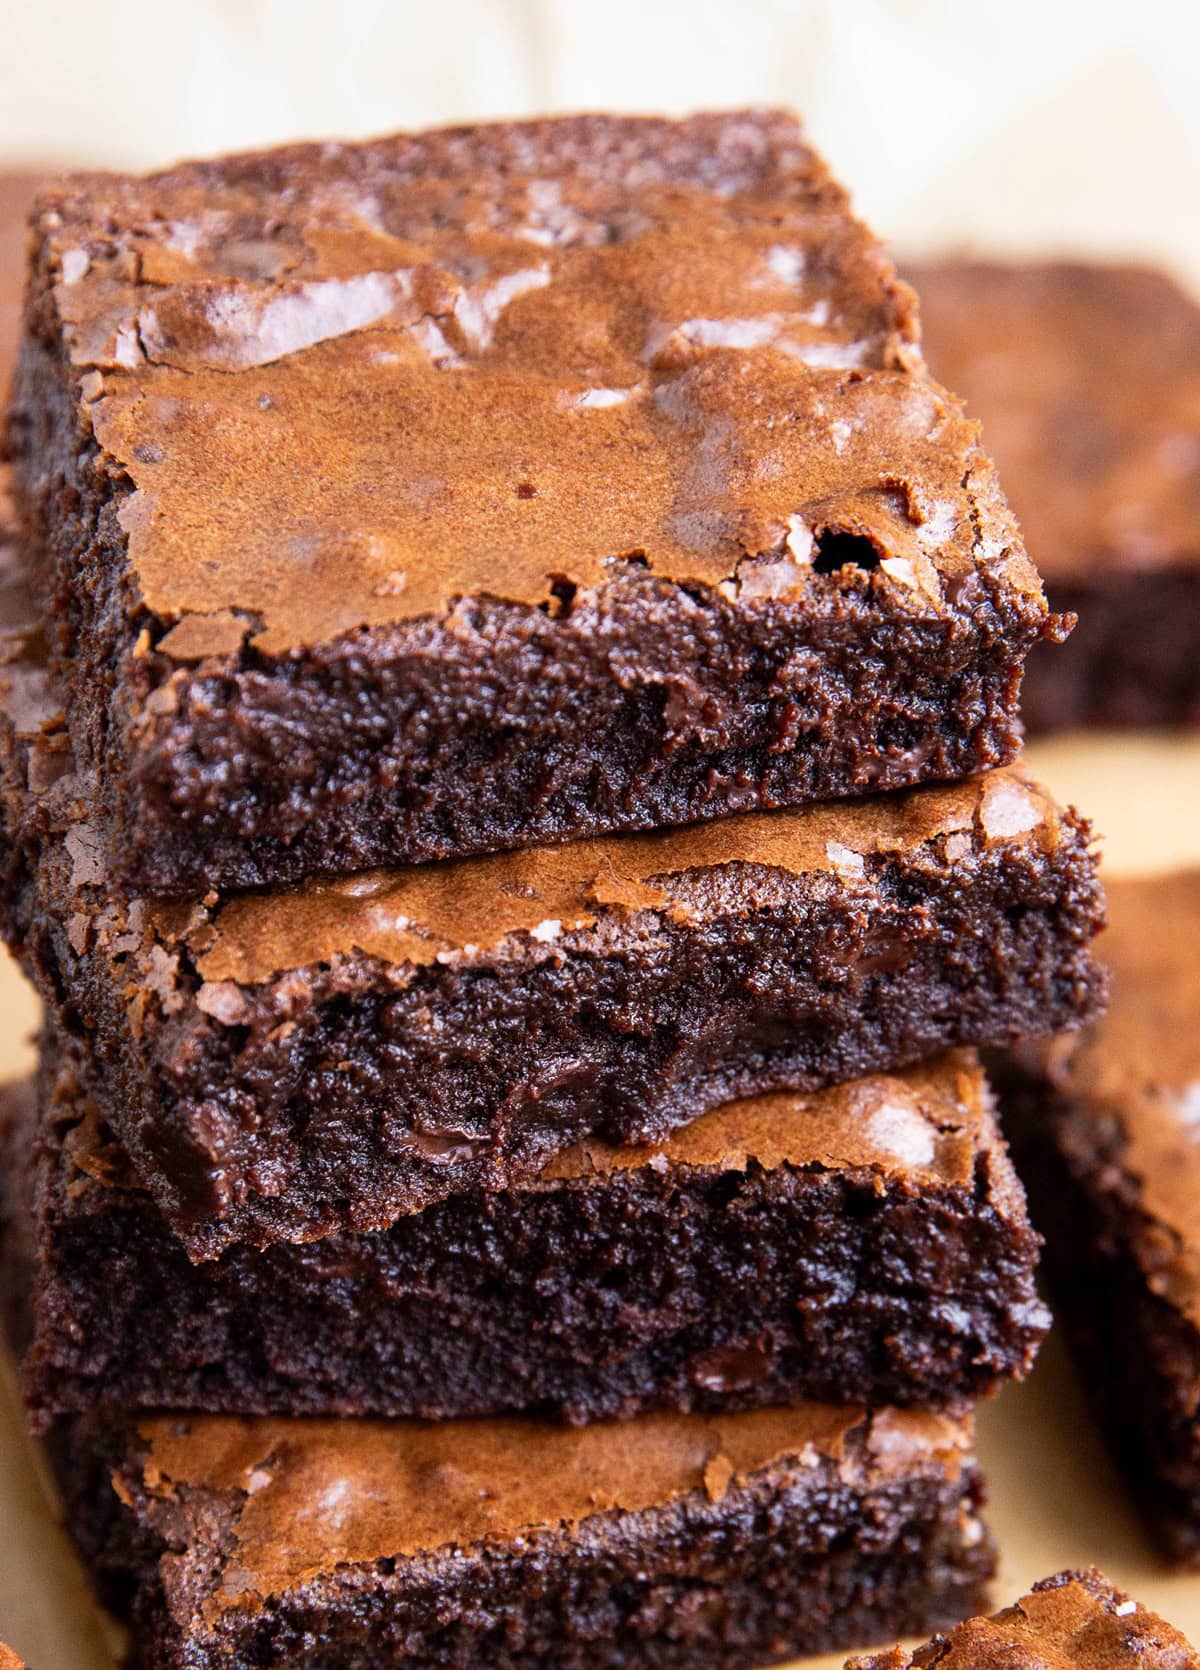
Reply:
x=486, y=603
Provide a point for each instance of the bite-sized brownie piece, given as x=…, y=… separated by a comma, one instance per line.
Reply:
x=495, y=486
x=671, y=1540
x=1076, y=1618
x=282, y=1065
x=1087, y=379
x=864, y=1244
x=1110, y=1143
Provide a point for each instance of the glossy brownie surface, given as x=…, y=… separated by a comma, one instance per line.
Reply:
x=685, y=1540
x=583, y=457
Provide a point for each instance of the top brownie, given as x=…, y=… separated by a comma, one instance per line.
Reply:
x=467, y=489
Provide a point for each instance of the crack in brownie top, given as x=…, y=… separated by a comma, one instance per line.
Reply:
x=1140, y=1067
x=315, y=1494
x=348, y=385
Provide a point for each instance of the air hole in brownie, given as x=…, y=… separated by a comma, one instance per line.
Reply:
x=562, y=595
x=838, y=549
x=526, y=490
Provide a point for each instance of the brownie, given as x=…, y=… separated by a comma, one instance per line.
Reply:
x=1076, y=1618
x=494, y=486
x=1087, y=379
x=279, y=1065
x=671, y=1540
x=9, y=1659
x=1109, y=1142
x=865, y=1244
x=16, y=199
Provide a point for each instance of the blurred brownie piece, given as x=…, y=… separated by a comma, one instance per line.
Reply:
x=1075, y=1620
x=667, y=1541
x=862, y=1244
x=1109, y=1133
x=493, y=487
x=1087, y=379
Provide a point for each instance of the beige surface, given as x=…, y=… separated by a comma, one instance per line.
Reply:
x=1070, y=126
x=1054, y=1501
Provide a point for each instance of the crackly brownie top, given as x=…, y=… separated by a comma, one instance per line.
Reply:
x=932, y=1123
x=1075, y=1620
x=1140, y=1064
x=537, y=902
x=1087, y=379
x=352, y=384
x=305, y=1497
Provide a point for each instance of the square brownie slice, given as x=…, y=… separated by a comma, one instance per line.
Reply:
x=1087, y=379
x=1107, y=1133
x=863, y=1244
x=281, y=1065
x=1075, y=1618
x=497, y=486
x=668, y=1541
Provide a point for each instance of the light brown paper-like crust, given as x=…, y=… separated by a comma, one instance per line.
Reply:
x=322, y=1492
x=351, y=385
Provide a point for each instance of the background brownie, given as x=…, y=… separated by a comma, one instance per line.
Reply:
x=1107, y=1131
x=500, y=485
x=865, y=1244
x=1074, y=1618
x=1088, y=383
x=666, y=1541
x=282, y=1065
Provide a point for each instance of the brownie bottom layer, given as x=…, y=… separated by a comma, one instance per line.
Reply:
x=1139, y=1356
x=777, y=1565
x=1134, y=658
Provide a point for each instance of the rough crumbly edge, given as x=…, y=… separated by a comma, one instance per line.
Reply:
x=934, y=1296
x=1041, y=925
x=187, y=800
x=787, y=1560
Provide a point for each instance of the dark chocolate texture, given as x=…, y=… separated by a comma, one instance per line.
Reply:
x=1087, y=379
x=665, y=1542
x=283, y=1065
x=497, y=486
x=1107, y=1128
x=867, y=1243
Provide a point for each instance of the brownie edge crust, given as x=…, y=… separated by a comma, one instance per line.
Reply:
x=1076, y=1620
x=669, y=1541
x=684, y=526
x=772, y=1251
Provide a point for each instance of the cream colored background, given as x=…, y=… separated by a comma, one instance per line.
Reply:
x=1011, y=123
